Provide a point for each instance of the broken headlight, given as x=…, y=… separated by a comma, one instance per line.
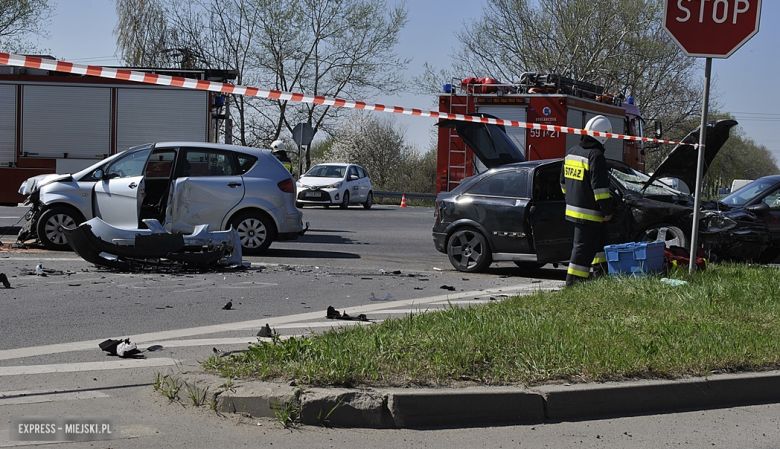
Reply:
x=713, y=222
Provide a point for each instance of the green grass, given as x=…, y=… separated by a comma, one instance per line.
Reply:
x=725, y=319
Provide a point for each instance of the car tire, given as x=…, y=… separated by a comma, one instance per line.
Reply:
x=369, y=201
x=255, y=231
x=50, y=226
x=344, y=200
x=529, y=265
x=468, y=251
x=670, y=235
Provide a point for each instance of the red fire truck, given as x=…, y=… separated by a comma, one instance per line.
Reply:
x=538, y=98
x=60, y=123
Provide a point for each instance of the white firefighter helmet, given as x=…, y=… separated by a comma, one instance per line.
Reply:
x=601, y=124
x=277, y=145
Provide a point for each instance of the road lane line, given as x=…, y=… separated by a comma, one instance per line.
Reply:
x=87, y=366
x=36, y=397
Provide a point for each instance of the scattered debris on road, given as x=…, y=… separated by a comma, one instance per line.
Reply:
x=4, y=280
x=447, y=287
x=333, y=314
x=228, y=306
x=265, y=331
x=386, y=298
x=122, y=348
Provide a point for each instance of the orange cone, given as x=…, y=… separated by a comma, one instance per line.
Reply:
x=403, y=200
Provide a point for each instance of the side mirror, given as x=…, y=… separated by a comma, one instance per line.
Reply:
x=353, y=177
x=659, y=130
x=99, y=173
x=760, y=207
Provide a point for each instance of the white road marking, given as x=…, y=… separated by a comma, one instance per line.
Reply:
x=35, y=397
x=88, y=366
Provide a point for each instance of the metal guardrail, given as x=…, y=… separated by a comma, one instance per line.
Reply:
x=411, y=196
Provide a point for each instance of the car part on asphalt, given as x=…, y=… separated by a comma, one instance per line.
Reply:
x=134, y=249
x=122, y=348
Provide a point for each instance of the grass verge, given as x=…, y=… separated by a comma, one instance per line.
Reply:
x=724, y=319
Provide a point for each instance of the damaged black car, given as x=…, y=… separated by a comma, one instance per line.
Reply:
x=515, y=211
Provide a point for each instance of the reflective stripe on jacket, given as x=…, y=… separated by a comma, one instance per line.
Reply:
x=585, y=182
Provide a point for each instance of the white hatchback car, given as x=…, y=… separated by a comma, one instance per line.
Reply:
x=181, y=184
x=335, y=183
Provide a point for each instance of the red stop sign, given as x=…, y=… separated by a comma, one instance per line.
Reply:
x=711, y=28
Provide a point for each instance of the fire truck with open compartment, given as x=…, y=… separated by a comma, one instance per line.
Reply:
x=548, y=99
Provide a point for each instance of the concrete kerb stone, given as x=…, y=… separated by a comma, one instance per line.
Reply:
x=481, y=406
x=258, y=399
x=591, y=401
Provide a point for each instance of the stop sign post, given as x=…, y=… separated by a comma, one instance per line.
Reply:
x=709, y=29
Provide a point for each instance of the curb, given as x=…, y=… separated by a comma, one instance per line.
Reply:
x=483, y=406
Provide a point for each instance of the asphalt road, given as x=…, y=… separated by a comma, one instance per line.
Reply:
x=50, y=364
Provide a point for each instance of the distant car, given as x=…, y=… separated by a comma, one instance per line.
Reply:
x=516, y=211
x=181, y=184
x=335, y=184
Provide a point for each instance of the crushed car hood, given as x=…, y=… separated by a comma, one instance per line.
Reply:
x=681, y=163
x=489, y=143
x=30, y=185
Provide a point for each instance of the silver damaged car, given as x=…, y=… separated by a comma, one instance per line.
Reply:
x=180, y=184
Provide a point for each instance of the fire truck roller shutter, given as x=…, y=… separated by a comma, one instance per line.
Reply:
x=64, y=119
x=516, y=112
x=152, y=115
x=7, y=124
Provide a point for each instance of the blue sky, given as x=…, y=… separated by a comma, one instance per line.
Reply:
x=745, y=84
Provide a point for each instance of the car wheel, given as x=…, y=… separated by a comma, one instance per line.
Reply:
x=670, y=235
x=51, y=223
x=468, y=251
x=529, y=265
x=255, y=232
x=345, y=200
x=369, y=201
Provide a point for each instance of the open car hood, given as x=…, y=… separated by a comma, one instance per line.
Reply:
x=488, y=142
x=682, y=161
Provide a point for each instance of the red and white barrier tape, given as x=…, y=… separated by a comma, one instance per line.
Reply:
x=164, y=80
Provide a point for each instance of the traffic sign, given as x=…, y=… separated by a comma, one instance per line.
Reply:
x=711, y=28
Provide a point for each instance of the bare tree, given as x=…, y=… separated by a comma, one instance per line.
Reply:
x=333, y=48
x=373, y=142
x=21, y=18
x=618, y=44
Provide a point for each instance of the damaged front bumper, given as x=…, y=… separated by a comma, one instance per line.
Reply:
x=127, y=249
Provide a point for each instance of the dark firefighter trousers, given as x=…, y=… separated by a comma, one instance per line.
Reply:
x=587, y=252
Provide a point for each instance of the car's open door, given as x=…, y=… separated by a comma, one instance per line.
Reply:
x=552, y=233
x=118, y=195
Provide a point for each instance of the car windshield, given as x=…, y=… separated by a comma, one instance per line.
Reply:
x=634, y=180
x=748, y=192
x=327, y=171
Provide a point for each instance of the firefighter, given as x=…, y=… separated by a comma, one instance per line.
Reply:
x=277, y=148
x=585, y=182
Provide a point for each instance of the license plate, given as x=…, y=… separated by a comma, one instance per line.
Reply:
x=312, y=194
